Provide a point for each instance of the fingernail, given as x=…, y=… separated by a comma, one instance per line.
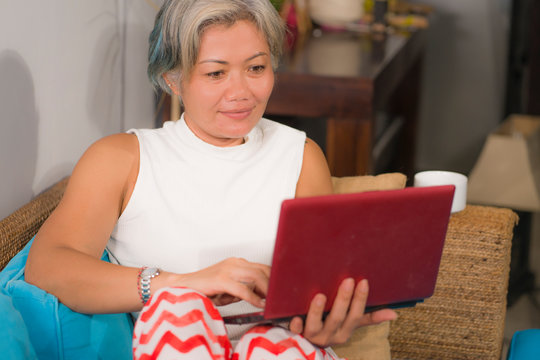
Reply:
x=348, y=284
x=320, y=300
x=263, y=303
x=363, y=285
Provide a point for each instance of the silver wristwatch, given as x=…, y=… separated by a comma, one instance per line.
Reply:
x=147, y=274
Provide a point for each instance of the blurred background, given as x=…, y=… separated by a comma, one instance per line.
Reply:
x=72, y=72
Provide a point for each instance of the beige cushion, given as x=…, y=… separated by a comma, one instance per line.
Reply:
x=367, y=343
x=370, y=342
x=353, y=184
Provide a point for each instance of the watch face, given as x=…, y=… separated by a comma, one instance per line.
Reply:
x=150, y=272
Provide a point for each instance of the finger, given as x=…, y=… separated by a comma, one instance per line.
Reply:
x=244, y=292
x=256, y=275
x=256, y=288
x=378, y=317
x=257, y=285
x=296, y=326
x=249, y=284
x=261, y=283
x=358, y=306
x=224, y=299
x=264, y=268
x=340, y=308
x=314, y=320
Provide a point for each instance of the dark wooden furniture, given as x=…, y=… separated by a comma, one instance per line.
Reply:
x=522, y=97
x=366, y=89
x=523, y=74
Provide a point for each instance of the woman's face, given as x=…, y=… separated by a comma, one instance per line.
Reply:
x=230, y=84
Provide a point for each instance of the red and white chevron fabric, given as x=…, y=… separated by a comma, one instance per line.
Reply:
x=179, y=323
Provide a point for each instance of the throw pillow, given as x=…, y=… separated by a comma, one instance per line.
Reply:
x=57, y=332
x=14, y=339
x=368, y=342
x=525, y=345
x=352, y=184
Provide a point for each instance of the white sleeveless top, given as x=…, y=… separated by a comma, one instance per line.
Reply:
x=195, y=204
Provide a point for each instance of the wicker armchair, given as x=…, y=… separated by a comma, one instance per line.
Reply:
x=17, y=229
x=463, y=320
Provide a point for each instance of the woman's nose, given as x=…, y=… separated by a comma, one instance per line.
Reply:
x=237, y=88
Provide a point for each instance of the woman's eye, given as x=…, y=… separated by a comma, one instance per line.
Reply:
x=257, y=69
x=215, y=74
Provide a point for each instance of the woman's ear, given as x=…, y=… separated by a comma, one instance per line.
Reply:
x=172, y=79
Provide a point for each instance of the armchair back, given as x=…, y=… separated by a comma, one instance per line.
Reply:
x=19, y=227
x=465, y=317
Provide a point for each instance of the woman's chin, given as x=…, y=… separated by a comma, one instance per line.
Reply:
x=227, y=139
x=238, y=139
x=238, y=132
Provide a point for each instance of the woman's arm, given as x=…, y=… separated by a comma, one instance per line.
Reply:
x=65, y=256
x=65, y=260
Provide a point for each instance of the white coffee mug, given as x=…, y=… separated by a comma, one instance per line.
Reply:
x=436, y=177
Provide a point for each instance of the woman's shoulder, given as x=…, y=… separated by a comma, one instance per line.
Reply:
x=114, y=156
x=104, y=175
x=114, y=146
x=314, y=177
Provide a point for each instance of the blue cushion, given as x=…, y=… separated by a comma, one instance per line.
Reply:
x=525, y=345
x=57, y=332
x=14, y=339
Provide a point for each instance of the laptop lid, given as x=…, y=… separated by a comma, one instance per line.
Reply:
x=393, y=238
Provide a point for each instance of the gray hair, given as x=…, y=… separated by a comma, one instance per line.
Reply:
x=179, y=25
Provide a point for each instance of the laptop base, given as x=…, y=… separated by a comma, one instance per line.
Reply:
x=258, y=317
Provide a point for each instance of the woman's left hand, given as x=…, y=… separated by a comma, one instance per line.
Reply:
x=346, y=315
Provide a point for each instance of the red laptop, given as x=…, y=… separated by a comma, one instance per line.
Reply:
x=393, y=238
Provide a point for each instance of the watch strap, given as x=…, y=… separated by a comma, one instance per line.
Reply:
x=144, y=280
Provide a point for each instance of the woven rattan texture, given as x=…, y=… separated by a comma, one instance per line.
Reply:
x=19, y=227
x=464, y=319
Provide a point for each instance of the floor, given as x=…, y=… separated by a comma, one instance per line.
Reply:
x=525, y=312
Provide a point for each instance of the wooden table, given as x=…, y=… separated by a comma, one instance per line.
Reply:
x=367, y=91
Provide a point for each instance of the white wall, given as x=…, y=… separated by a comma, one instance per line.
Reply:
x=70, y=72
x=463, y=81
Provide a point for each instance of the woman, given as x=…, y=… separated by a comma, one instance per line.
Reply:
x=198, y=200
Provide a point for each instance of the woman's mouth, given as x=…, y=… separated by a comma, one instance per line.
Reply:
x=237, y=114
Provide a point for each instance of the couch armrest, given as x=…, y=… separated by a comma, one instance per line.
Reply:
x=19, y=227
x=464, y=319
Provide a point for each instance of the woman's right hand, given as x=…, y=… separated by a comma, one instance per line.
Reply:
x=346, y=315
x=230, y=280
